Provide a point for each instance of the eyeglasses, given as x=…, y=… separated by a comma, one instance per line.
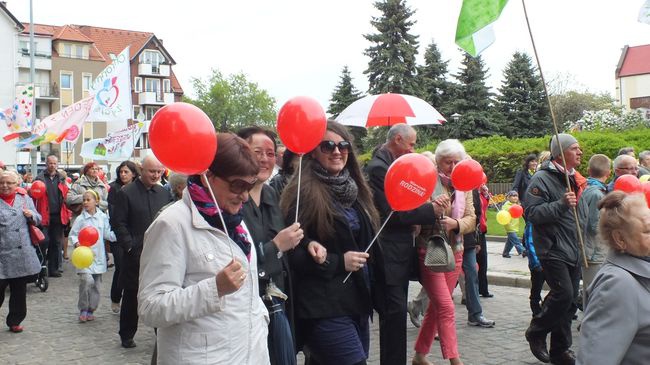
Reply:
x=270, y=154
x=238, y=186
x=329, y=146
x=633, y=168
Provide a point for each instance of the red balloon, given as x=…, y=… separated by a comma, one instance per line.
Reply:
x=467, y=175
x=410, y=181
x=301, y=124
x=183, y=138
x=88, y=236
x=37, y=190
x=516, y=211
x=68, y=180
x=627, y=183
x=485, y=180
x=645, y=188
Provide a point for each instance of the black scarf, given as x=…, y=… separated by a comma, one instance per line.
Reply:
x=342, y=187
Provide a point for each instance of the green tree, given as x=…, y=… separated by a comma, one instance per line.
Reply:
x=344, y=94
x=570, y=106
x=473, y=101
x=392, y=65
x=233, y=102
x=522, y=102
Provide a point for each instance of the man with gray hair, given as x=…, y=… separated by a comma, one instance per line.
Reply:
x=391, y=257
x=644, y=163
x=549, y=208
x=135, y=208
x=176, y=184
x=623, y=165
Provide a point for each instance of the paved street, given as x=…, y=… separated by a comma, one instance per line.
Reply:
x=53, y=334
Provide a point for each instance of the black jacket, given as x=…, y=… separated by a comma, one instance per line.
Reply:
x=319, y=289
x=554, y=227
x=134, y=209
x=520, y=185
x=396, y=239
x=264, y=223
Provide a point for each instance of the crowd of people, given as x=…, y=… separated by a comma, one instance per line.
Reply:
x=229, y=266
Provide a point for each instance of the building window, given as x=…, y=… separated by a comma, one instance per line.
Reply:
x=79, y=51
x=149, y=111
x=24, y=48
x=153, y=58
x=136, y=111
x=152, y=85
x=137, y=84
x=167, y=85
x=143, y=141
x=66, y=80
x=87, y=81
x=67, y=50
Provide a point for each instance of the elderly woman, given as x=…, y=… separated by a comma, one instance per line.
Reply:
x=18, y=260
x=337, y=211
x=458, y=220
x=271, y=240
x=126, y=173
x=89, y=181
x=198, y=279
x=616, y=325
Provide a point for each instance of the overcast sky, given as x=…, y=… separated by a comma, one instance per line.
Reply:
x=298, y=47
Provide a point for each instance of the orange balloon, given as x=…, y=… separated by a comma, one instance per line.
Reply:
x=410, y=181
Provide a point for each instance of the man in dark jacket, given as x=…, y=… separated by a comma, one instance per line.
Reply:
x=550, y=208
x=393, y=253
x=136, y=206
x=54, y=213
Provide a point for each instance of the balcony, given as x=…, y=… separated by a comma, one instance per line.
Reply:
x=155, y=98
x=42, y=59
x=43, y=91
x=146, y=69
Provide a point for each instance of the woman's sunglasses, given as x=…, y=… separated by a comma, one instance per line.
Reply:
x=238, y=186
x=329, y=146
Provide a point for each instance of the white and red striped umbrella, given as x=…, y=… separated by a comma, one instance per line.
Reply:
x=389, y=109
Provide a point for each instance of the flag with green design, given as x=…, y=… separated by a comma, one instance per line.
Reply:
x=474, y=31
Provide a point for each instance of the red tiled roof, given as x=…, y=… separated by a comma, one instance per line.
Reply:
x=176, y=86
x=42, y=29
x=71, y=33
x=114, y=41
x=635, y=61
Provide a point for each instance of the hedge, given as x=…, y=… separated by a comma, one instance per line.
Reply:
x=501, y=157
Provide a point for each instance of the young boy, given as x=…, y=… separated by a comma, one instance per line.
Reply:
x=513, y=227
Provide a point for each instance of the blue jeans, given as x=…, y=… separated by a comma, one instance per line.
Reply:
x=513, y=241
x=474, y=310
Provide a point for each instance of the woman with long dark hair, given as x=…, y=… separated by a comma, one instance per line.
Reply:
x=332, y=317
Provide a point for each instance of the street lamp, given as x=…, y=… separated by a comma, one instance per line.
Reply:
x=456, y=117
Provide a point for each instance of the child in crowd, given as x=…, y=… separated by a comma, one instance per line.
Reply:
x=90, y=278
x=512, y=227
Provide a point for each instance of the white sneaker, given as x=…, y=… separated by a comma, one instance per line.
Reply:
x=115, y=307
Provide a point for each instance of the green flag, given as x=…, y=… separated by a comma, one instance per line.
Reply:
x=474, y=31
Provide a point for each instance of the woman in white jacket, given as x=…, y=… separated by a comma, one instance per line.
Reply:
x=198, y=284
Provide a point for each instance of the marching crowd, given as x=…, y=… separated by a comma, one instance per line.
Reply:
x=259, y=276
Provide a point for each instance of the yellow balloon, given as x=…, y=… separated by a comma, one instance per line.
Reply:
x=82, y=257
x=644, y=178
x=504, y=217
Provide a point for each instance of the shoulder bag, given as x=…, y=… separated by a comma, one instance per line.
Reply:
x=439, y=256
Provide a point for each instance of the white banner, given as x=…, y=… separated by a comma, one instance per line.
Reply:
x=117, y=146
x=63, y=125
x=112, y=91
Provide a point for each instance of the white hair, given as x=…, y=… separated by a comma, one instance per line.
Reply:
x=401, y=129
x=450, y=147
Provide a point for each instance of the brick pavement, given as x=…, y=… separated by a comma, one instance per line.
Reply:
x=53, y=334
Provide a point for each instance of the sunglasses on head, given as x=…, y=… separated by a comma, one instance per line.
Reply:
x=238, y=186
x=329, y=146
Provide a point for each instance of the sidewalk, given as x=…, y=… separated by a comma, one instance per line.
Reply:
x=503, y=271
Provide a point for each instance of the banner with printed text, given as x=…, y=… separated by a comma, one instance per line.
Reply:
x=112, y=91
x=117, y=146
x=65, y=125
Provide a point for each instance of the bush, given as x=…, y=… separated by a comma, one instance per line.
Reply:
x=501, y=157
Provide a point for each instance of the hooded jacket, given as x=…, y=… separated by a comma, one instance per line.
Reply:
x=554, y=226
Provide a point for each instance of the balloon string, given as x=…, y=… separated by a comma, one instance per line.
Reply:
x=373, y=241
x=298, y=193
x=223, y=223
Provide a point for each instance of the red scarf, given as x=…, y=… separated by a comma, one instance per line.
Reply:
x=9, y=199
